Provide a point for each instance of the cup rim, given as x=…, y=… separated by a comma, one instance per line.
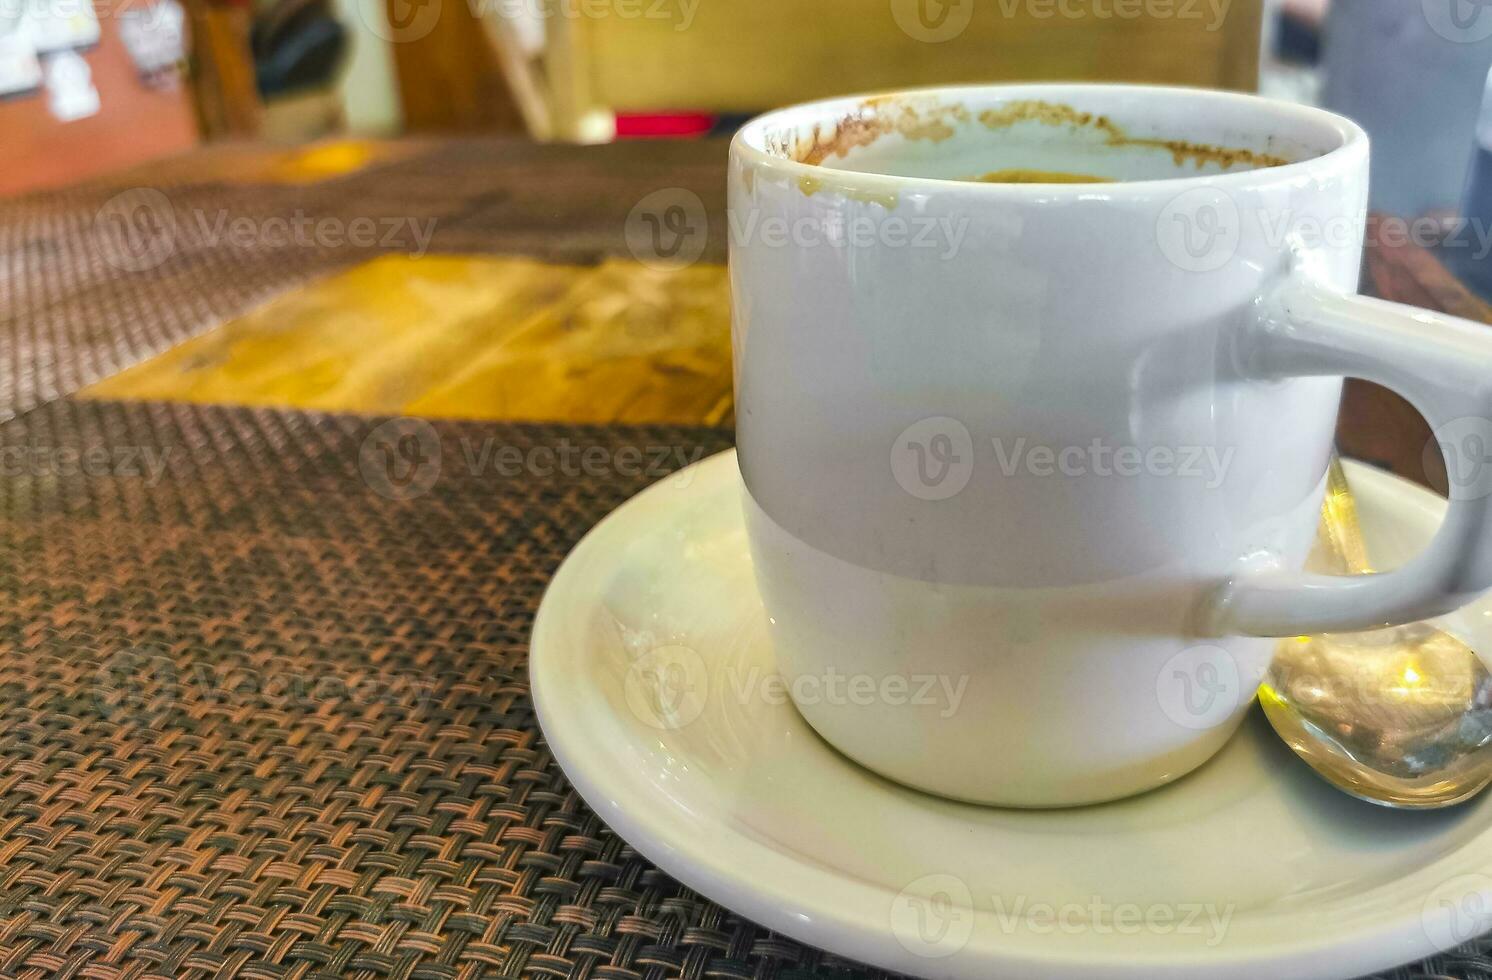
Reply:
x=1350, y=139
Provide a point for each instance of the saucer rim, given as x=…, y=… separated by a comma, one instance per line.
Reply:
x=1383, y=937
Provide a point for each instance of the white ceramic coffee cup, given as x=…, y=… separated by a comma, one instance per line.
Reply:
x=1033, y=468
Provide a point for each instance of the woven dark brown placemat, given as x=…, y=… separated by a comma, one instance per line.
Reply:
x=259, y=719
x=264, y=707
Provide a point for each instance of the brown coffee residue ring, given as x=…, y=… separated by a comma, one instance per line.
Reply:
x=877, y=117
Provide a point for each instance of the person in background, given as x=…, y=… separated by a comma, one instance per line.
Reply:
x=1299, y=30
x=1290, y=55
x=1412, y=75
x=1312, y=12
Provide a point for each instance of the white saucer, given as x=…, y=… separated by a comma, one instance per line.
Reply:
x=648, y=667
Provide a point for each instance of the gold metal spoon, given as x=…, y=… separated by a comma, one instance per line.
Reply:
x=1400, y=717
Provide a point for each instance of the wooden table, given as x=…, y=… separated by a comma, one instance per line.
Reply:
x=501, y=285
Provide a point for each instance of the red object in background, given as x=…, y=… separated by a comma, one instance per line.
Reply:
x=654, y=125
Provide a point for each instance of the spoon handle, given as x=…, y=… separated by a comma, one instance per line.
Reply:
x=1340, y=526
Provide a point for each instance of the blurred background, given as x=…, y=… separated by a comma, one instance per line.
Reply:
x=89, y=86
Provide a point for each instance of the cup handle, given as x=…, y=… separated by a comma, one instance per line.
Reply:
x=1443, y=366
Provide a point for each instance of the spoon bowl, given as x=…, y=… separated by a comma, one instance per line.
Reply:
x=1400, y=717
